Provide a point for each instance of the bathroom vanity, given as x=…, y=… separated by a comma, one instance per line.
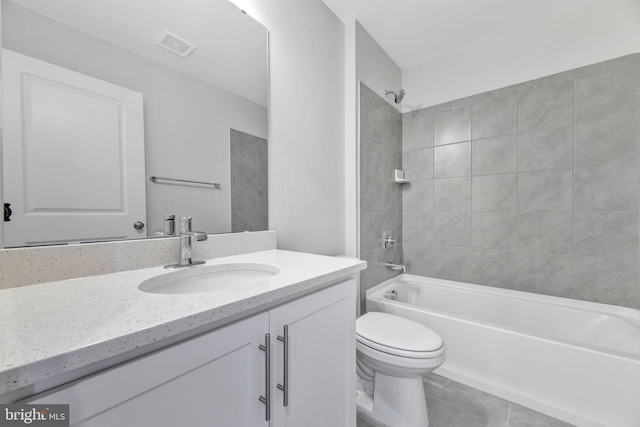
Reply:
x=279, y=351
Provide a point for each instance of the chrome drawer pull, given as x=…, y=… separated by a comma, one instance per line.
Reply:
x=285, y=387
x=267, y=383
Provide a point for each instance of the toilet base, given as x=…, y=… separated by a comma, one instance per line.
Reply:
x=400, y=401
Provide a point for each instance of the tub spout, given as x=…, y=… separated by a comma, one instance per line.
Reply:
x=392, y=266
x=392, y=295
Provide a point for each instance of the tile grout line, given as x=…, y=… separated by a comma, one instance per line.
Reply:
x=573, y=199
x=435, y=405
x=473, y=254
x=433, y=188
x=517, y=197
x=638, y=225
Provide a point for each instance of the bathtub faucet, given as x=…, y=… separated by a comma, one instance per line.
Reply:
x=392, y=266
x=392, y=295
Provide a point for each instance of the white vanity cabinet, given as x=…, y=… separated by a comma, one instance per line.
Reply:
x=218, y=378
x=320, y=371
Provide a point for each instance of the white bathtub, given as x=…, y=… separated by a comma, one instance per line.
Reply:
x=573, y=360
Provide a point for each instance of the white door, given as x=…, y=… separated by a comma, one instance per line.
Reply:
x=73, y=155
x=321, y=359
x=214, y=380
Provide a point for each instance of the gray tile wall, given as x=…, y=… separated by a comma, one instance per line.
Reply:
x=533, y=187
x=249, y=184
x=380, y=196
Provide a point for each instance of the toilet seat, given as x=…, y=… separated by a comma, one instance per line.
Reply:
x=399, y=352
x=398, y=365
x=398, y=336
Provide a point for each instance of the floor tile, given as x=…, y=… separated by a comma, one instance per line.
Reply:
x=452, y=404
x=519, y=416
x=461, y=406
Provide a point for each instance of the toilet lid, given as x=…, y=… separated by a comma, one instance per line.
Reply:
x=395, y=334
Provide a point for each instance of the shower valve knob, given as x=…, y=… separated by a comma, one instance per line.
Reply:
x=388, y=240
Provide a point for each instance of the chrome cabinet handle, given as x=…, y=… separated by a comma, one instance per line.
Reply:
x=285, y=387
x=267, y=382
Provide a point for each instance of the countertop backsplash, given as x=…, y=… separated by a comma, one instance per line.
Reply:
x=27, y=266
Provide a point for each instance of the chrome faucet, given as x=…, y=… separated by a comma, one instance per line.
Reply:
x=185, y=243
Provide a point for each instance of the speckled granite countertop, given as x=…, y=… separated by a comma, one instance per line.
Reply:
x=52, y=328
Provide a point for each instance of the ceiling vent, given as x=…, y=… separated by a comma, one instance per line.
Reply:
x=175, y=44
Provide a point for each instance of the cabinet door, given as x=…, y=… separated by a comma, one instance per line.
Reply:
x=211, y=380
x=321, y=359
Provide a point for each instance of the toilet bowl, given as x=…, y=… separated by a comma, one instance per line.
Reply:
x=393, y=353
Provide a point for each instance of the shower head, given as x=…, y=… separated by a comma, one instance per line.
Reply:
x=397, y=96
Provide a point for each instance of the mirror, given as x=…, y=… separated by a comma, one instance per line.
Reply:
x=117, y=114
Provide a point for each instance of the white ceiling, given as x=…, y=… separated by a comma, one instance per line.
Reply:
x=416, y=31
x=231, y=48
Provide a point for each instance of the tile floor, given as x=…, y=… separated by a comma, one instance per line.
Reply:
x=452, y=404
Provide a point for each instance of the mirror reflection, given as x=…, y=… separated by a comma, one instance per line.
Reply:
x=100, y=97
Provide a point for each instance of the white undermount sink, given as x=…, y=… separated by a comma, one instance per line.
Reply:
x=191, y=280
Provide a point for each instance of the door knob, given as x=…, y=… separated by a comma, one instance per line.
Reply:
x=138, y=225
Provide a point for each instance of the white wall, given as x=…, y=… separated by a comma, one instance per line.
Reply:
x=306, y=123
x=187, y=121
x=365, y=61
x=374, y=67
x=597, y=31
x=351, y=146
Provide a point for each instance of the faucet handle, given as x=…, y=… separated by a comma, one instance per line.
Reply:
x=388, y=239
x=169, y=225
x=186, y=223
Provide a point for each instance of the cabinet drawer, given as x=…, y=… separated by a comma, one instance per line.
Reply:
x=211, y=380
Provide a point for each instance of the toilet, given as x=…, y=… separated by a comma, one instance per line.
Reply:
x=393, y=353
